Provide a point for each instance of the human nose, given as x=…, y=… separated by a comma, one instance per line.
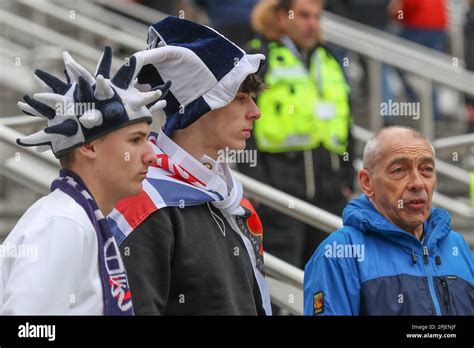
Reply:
x=149, y=157
x=314, y=24
x=415, y=181
x=254, y=111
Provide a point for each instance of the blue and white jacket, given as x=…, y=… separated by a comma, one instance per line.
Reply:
x=372, y=267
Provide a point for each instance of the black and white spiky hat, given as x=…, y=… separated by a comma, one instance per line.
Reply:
x=87, y=107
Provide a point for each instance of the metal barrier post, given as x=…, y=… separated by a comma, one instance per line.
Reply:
x=426, y=115
x=375, y=86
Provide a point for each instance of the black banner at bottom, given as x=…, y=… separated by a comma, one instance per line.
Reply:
x=22, y=330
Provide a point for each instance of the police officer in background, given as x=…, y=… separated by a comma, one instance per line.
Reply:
x=303, y=136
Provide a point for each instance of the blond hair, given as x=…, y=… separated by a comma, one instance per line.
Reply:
x=264, y=18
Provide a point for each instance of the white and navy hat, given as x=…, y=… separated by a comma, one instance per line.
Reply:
x=205, y=68
x=87, y=107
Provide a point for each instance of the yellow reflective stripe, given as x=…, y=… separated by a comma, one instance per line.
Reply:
x=294, y=72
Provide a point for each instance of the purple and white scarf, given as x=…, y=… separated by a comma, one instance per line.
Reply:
x=116, y=291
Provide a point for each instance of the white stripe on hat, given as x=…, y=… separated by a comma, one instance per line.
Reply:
x=190, y=76
x=225, y=90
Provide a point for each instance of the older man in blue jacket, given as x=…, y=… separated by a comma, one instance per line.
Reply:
x=395, y=254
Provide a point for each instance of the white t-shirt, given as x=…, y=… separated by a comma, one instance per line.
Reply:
x=56, y=268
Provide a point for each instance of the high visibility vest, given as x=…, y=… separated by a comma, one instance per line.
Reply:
x=301, y=109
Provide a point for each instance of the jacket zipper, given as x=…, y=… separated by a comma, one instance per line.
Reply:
x=430, y=280
x=444, y=284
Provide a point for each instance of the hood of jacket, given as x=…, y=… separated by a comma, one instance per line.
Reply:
x=362, y=215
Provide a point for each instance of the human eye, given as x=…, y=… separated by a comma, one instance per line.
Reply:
x=136, y=140
x=428, y=169
x=240, y=99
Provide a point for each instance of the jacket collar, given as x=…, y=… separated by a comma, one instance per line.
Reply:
x=362, y=215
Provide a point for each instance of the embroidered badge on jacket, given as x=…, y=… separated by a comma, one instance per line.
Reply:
x=318, y=302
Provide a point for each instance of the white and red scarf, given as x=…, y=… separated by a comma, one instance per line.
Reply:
x=179, y=180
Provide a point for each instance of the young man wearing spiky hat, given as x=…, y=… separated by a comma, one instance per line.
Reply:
x=97, y=128
x=191, y=244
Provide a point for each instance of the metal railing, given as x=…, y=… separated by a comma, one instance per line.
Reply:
x=93, y=10
x=111, y=34
x=442, y=143
x=381, y=47
x=457, y=140
x=41, y=33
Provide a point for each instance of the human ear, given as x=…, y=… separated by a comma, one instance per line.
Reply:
x=88, y=150
x=365, y=182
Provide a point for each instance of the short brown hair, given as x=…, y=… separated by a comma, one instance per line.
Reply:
x=67, y=159
x=252, y=84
